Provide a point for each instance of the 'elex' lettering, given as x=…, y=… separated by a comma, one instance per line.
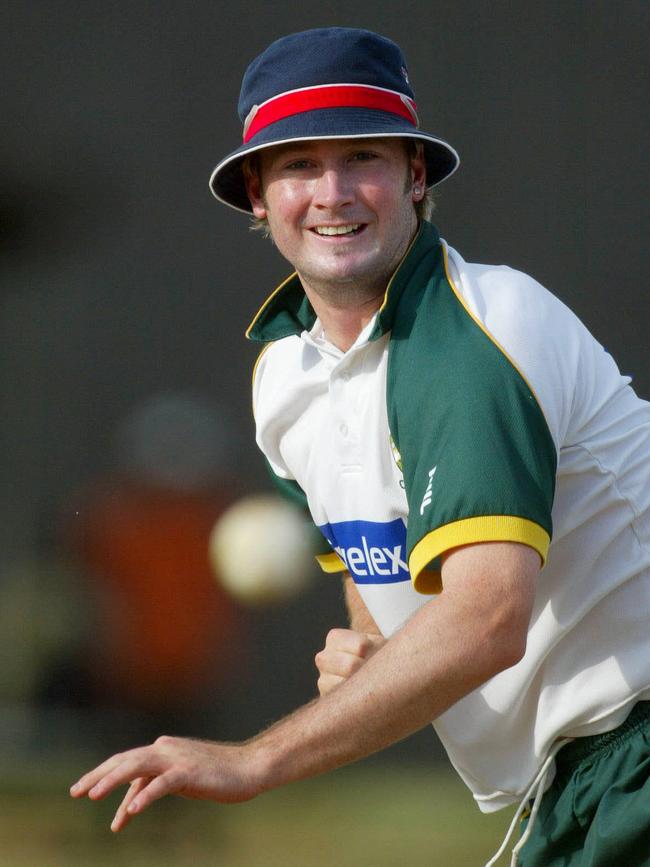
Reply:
x=371, y=560
x=373, y=552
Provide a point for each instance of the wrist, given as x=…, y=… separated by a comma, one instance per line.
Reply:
x=279, y=755
x=264, y=763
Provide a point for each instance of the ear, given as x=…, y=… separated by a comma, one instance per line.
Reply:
x=254, y=190
x=418, y=173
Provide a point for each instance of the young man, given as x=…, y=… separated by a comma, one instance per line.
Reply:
x=452, y=428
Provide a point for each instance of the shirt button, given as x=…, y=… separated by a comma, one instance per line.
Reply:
x=345, y=375
x=343, y=429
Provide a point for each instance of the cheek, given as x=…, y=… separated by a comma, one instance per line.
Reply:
x=385, y=197
x=385, y=212
x=286, y=200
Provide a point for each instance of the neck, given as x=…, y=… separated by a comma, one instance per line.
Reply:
x=345, y=310
x=342, y=325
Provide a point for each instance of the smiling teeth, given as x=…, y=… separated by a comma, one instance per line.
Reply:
x=337, y=230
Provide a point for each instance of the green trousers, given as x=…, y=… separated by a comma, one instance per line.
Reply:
x=597, y=811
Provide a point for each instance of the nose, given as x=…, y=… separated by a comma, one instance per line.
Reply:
x=332, y=189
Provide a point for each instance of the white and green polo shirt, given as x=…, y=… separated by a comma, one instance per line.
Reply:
x=475, y=407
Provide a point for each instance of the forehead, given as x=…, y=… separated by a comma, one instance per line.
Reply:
x=390, y=145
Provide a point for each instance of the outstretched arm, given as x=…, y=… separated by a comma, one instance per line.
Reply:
x=474, y=629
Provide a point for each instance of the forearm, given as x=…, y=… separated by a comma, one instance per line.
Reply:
x=360, y=618
x=448, y=648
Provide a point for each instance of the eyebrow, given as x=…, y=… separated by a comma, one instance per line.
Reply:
x=307, y=147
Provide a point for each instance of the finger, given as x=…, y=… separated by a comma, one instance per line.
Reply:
x=349, y=641
x=127, y=772
x=328, y=682
x=122, y=816
x=171, y=782
x=339, y=663
x=346, y=640
x=131, y=765
x=86, y=783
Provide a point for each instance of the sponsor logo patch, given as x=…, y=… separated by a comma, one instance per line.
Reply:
x=374, y=553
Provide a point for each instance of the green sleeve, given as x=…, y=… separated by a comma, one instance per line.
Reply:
x=478, y=458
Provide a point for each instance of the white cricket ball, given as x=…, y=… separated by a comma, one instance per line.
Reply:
x=261, y=550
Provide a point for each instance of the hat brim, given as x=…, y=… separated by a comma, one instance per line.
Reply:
x=227, y=180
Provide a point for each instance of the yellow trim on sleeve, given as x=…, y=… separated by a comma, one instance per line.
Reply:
x=330, y=563
x=468, y=531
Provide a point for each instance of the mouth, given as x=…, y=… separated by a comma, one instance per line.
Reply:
x=347, y=230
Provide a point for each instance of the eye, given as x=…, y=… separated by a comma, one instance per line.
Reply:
x=364, y=156
x=298, y=164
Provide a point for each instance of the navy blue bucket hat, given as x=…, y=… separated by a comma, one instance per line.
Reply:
x=334, y=82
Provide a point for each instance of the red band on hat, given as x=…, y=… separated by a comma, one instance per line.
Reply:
x=328, y=96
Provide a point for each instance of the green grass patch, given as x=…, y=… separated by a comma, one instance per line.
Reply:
x=375, y=814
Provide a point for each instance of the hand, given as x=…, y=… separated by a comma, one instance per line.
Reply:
x=194, y=769
x=344, y=653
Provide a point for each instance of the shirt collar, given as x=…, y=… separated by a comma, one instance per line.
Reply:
x=318, y=339
x=287, y=310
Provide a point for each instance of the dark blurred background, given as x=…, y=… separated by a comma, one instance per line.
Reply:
x=126, y=289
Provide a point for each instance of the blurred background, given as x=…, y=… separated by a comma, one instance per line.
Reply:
x=125, y=386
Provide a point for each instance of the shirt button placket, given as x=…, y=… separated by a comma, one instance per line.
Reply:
x=342, y=406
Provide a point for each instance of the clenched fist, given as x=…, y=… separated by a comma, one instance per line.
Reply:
x=344, y=653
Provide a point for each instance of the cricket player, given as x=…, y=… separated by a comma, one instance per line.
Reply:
x=477, y=466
